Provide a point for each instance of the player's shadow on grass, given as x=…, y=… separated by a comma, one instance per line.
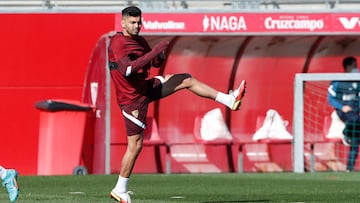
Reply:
x=238, y=201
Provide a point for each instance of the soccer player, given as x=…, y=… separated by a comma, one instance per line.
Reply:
x=9, y=180
x=130, y=58
x=344, y=96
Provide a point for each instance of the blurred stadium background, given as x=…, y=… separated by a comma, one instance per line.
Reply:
x=181, y=5
x=55, y=50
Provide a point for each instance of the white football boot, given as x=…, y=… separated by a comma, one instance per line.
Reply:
x=238, y=94
x=121, y=197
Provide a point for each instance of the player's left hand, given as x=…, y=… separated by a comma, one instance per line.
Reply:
x=162, y=55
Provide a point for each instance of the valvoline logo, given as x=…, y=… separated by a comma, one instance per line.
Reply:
x=350, y=23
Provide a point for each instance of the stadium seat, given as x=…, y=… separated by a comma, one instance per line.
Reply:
x=321, y=152
x=220, y=140
x=258, y=154
x=311, y=164
x=220, y=144
x=327, y=153
x=154, y=149
x=197, y=155
x=192, y=158
x=330, y=136
x=151, y=133
x=323, y=156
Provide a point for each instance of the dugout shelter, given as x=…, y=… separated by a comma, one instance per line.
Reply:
x=267, y=49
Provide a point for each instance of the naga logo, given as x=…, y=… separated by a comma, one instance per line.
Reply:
x=351, y=23
x=224, y=23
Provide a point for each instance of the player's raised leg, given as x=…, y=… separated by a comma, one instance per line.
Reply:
x=177, y=82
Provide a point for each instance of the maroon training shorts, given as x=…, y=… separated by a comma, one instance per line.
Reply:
x=135, y=113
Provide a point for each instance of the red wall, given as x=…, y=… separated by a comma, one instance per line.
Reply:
x=42, y=56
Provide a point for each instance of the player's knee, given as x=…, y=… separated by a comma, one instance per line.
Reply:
x=176, y=82
x=187, y=75
x=135, y=147
x=135, y=150
x=186, y=78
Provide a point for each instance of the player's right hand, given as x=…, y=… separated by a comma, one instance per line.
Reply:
x=346, y=108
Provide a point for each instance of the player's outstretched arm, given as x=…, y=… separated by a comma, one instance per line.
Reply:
x=126, y=66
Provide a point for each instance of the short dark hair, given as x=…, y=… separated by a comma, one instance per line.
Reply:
x=131, y=11
x=348, y=61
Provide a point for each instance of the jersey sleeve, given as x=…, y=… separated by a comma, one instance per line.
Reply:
x=332, y=96
x=127, y=64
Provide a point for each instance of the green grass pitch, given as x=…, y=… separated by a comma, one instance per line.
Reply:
x=194, y=188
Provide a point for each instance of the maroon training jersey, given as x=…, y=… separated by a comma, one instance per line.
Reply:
x=132, y=56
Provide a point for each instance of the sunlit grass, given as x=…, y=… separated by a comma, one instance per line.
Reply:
x=200, y=188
